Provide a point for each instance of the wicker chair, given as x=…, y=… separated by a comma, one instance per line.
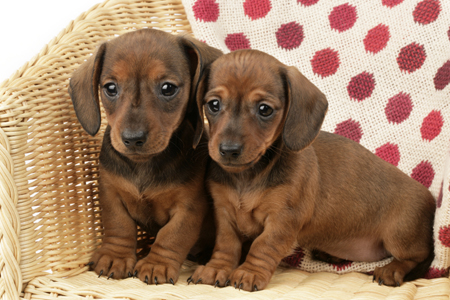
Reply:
x=49, y=215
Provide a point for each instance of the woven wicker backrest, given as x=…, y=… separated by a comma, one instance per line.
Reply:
x=49, y=215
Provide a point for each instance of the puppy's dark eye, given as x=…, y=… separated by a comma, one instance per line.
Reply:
x=110, y=89
x=265, y=110
x=168, y=89
x=214, y=105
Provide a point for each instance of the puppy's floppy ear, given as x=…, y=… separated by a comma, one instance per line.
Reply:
x=200, y=56
x=306, y=109
x=83, y=90
x=199, y=95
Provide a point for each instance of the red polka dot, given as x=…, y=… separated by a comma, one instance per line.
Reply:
x=398, y=108
x=296, y=258
x=423, y=173
x=361, y=86
x=431, y=125
x=436, y=273
x=350, y=129
x=206, y=10
x=256, y=9
x=236, y=41
x=411, y=57
x=389, y=152
x=307, y=2
x=290, y=35
x=439, y=198
x=377, y=38
x=391, y=3
x=427, y=11
x=342, y=17
x=444, y=236
x=448, y=33
x=325, y=62
x=442, y=77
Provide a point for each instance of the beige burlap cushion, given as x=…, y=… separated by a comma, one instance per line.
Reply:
x=384, y=66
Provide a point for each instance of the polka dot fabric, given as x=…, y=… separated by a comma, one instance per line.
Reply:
x=384, y=66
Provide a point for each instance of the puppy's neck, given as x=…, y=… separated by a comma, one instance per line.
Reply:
x=175, y=164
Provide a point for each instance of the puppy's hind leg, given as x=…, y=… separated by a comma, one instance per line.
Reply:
x=393, y=274
x=412, y=254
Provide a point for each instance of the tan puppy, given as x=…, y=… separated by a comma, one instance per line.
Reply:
x=278, y=180
x=150, y=175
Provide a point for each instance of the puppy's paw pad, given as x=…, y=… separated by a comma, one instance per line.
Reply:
x=152, y=272
x=249, y=280
x=388, y=275
x=112, y=264
x=210, y=275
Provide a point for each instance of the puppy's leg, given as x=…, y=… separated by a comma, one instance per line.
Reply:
x=393, y=273
x=412, y=251
x=173, y=242
x=226, y=254
x=406, y=260
x=273, y=244
x=117, y=256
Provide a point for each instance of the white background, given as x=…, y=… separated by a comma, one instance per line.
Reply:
x=26, y=26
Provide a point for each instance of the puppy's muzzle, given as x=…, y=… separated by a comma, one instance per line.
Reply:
x=230, y=151
x=134, y=140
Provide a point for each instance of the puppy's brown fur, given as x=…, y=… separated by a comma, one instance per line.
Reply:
x=278, y=180
x=150, y=174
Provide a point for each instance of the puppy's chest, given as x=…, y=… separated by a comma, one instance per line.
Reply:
x=149, y=206
x=246, y=208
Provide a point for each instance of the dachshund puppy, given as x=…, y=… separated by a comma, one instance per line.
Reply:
x=277, y=180
x=150, y=174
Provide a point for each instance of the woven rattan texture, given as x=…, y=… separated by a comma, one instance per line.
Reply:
x=285, y=284
x=49, y=218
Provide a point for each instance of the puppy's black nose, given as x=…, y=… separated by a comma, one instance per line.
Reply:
x=134, y=138
x=230, y=151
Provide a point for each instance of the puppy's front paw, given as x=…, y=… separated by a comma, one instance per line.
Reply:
x=211, y=274
x=113, y=264
x=152, y=271
x=250, y=278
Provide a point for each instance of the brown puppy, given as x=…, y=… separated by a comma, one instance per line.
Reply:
x=150, y=174
x=277, y=180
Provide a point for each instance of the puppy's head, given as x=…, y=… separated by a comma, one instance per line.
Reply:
x=146, y=81
x=252, y=100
